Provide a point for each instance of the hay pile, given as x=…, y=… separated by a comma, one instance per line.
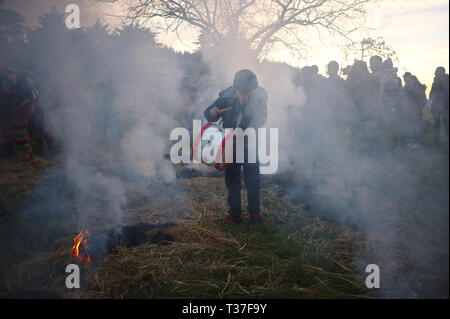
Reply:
x=17, y=178
x=292, y=256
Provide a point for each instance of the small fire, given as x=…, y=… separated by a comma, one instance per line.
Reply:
x=80, y=249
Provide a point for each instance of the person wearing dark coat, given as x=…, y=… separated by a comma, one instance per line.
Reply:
x=364, y=127
x=439, y=106
x=335, y=88
x=337, y=107
x=249, y=110
x=412, y=100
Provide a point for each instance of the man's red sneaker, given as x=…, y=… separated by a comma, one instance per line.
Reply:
x=256, y=218
x=232, y=220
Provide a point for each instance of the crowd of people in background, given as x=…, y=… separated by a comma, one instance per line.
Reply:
x=373, y=108
x=91, y=86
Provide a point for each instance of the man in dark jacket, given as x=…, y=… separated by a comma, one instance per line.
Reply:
x=249, y=110
x=439, y=106
x=412, y=100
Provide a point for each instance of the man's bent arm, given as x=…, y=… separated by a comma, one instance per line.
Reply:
x=217, y=103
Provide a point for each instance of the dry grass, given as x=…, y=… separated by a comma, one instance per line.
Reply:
x=206, y=262
x=17, y=178
x=403, y=215
x=292, y=256
x=295, y=255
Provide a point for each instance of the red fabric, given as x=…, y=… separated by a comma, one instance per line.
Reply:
x=256, y=216
x=197, y=144
x=230, y=220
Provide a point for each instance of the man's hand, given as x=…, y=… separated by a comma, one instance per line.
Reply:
x=214, y=111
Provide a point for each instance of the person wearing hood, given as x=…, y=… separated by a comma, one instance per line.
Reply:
x=375, y=78
x=248, y=102
x=336, y=104
x=412, y=101
x=439, y=107
x=375, y=63
x=390, y=85
x=362, y=108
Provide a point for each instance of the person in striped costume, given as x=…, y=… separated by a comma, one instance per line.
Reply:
x=17, y=103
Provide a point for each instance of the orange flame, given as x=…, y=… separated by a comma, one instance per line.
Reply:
x=80, y=249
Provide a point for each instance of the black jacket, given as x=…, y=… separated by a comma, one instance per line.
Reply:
x=439, y=94
x=254, y=113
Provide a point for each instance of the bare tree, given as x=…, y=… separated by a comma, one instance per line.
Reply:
x=264, y=23
x=368, y=47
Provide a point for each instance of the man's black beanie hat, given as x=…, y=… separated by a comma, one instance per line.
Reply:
x=245, y=81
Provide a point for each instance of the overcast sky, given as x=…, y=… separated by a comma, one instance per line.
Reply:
x=417, y=29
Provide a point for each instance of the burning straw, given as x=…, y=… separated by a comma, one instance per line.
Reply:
x=80, y=247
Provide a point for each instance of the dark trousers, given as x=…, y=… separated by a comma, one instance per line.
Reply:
x=437, y=126
x=233, y=182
